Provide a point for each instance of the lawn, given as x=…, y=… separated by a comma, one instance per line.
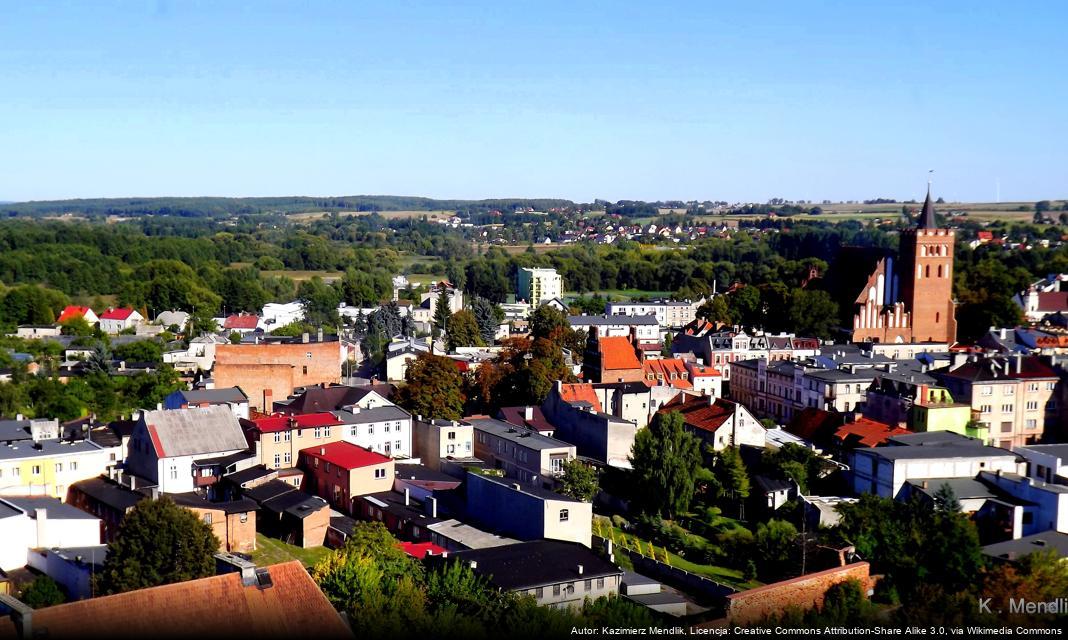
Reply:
x=616, y=294
x=726, y=575
x=272, y=551
x=298, y=276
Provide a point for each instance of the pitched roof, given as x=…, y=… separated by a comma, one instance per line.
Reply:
x=526, y=565
x=582, y=392
x=927, y=214
x=121, y=313
x=700, y=412
x=346, y=455
x=270, y=424
x=73, y=311
x=867, y=433
x=53, y=508
x=1051, y=301
x=517, y=416
x=284, y=602
x=192, y=431
x=419, y=550
x=241, y=321
x=230, y=394
x=669, y=371
x=814, y=424
x=109, y=492
x=617, y=353
x=318, y=398
x=999, y=369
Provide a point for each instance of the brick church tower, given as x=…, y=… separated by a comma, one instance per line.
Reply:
x=911, y=300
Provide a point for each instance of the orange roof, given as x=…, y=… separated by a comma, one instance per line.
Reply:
x=700, y=412
x=219, y=606
x=667, y=372
x=580, y=393
x=72, y=311
x=868, y=433
x=618, y=353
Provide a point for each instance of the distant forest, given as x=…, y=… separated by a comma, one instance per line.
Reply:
x=209, y=207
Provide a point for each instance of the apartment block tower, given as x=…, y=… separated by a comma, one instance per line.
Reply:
x=910, y=298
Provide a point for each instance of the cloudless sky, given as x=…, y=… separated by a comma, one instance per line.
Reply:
x=741, y=101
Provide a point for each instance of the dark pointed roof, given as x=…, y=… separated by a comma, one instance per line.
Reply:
x=927, y=215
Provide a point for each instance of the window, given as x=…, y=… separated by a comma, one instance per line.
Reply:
x=1006, y=408
x=1050, y=386
x=370, y=429
x=539, y=592
x=289, y=458
x=397, y=445
x=1032, y=405
x=1006, y=427
x=277, y=436
x=207, y=518
x=926, y=273
x=588, y=585
x=987, y=391
x=326, y=467
x=277, y=459
x=244, y=517
x=1009, y=390
x=174, y=473
x=289, y=435
x=1031, y=423
x=36, y=470
x=326, y=432
x=556, y=590
x=385, y=427
x=305, y=369
x=16, y=472
x=450, y=449
x=450, y=435
x=59, y=467
x=1033, y=386
x=380, y=473
x=353, y=432
x=318, y=432
x=600, y=583
x=564, y=515
x=985, y=408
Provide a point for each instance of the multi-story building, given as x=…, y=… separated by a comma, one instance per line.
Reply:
x=273, y=368
x=1015, y=397
x=234, y=398
x=719, y=423
x=910, y=298
x=386, y=429
x=612, y=359
x=36, y=460
x=437, y=442
x=538, y=286
x=720, y=349
x=341, y=472
x=29, y=523
x=530, y=457
x=645, y=328
x=423, y=313
x=526, y=512
x=673, y=314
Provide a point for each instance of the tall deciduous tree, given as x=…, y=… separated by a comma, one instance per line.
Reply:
x=579, y=480
x=665, y=459
x=463, y=331
x=158, y=543
x=434, y=388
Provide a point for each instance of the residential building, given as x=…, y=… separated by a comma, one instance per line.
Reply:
x=1045, y=297
x=423, y=313
x=115, y=321
x=536, y=286
x=884, y=470
x=438, y=442
x=1042, y=506
x=73, y=311
x=528, y=418
x=341, y=472
x=277, y=601
x=289, y=514
x=277, y=314
x=719, y=423
x=274, y=368
x=629, y=401
x=910, y=298
x=405, y=516
x=38, y=331
x=611, y=359
x=233, y=522
x=186, y=449
x=722, y=348
x=526, y=512
x=173, y=318
x=73, y=568
x=645, y=329
x=319, y=398
x=453, y=535
x=38, y=459
x=386, y=429
x=1046, y=462
x=1015, y=397
x=29, y=523
x=233, y=398
x=556, y=574
x=673, y=314
x=241, y=323
x=523, y=454
x=108, y=500
x=575, y=409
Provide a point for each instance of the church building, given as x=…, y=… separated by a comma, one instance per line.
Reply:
x=910, y=298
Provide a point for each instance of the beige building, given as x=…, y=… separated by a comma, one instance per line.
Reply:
x=1014, y=397
x=538, y=286
x=436, y=442
x=523, y=454
x=341, y=472
x=278, y=439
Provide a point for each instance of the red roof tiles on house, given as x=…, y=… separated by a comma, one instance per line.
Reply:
x=71, y=312
x=241, y=321
x=1051, y=301
x=868, y=433
x=346, y=455
x=580, y=393
x=290, y=605
x=667, y=372
x=419, y=550
x=274, y=423
x=617, y=353
x=700, y=412
x=122, y=313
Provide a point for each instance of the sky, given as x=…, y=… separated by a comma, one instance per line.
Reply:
x=706, y=100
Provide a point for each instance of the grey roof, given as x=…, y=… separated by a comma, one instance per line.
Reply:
x=837, y=375
x=377, y=414
x=934, y=438
x=468, y=536
x=768, y=483
x=935, y=452
x=184, y=432
x=1015, y=549
x=927, y=214
x=94, y=555
x=1057, y=450
x=26, y=449
x=220, y=396
x=54, y=509
x=295, y=503
x=248, y=475
x=529, y=489
x=538, y=563
x=528, y=438
x=962, y=488
x=7, y=511
x=197, y=501
x=109, y=492
x=612, y=320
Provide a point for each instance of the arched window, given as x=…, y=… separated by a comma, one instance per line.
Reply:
x=923, y=251
x=927, y=271
x=939, y=271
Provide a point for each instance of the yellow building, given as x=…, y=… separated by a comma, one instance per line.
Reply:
x=49, y=467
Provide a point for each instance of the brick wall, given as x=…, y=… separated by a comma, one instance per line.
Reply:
x=804, y=592
x=275, y=368
x=315, y=527
x=241, y=536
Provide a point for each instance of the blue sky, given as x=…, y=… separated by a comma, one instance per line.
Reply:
x=741, y=101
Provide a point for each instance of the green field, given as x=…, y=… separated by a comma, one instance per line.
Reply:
x=621, y=294
x=299, y=276
x=310, y=216
x=272, y=551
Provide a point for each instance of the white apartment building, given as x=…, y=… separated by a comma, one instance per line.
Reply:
x=673, y=314
x=538, y=286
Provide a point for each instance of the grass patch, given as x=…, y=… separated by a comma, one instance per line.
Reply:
x=299, y=276
x=272, y=551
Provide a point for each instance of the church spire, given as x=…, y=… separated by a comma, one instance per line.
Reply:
x=927, y=214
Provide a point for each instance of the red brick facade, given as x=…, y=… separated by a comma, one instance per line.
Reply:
x=269, y=372
x=804, y=592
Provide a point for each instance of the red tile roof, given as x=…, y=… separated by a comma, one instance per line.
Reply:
x=700, y=412
x=517, y=416
x=241, y=321
x=346, y=455
x=814, y=424
x=985, y=235
x=618, y=353
x=270, y=424
x=667, y=372
x=419, y=550
x=580, y=393
x=1053, y=301
x=71, y=312
x=867, y=433
x=219, y=606
x=122, y=313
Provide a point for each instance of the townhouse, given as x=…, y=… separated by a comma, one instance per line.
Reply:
x=523, y=454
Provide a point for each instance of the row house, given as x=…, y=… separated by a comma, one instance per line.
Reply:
x=673, y=314
x=721, y=349
x=526, y=455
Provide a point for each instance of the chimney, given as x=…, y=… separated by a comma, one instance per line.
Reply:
x=41, y=518
x=133, y=482
x=155, y=493
x=473, y=564
x=924, y=484
x=432, y=506
x=407, y=497
x=517, y=486
x=1019, y=363
x=528, y=413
